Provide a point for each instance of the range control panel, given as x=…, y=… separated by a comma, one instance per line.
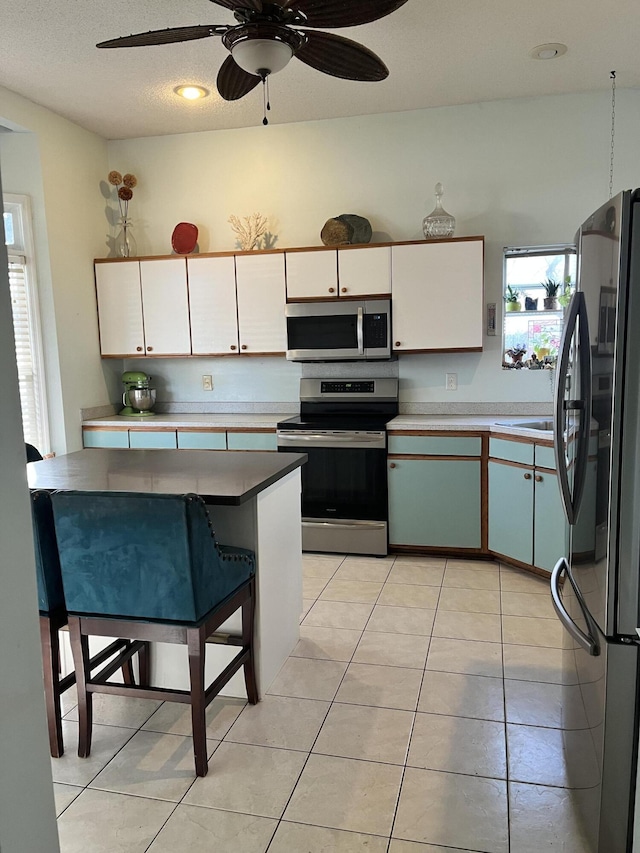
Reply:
x=365, y=387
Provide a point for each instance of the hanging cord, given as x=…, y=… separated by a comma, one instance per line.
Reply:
x=613, y=129
x=265, y=94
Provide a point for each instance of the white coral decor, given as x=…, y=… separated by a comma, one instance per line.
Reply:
x=250, y=231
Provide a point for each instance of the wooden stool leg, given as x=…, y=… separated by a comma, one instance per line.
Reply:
x=50, y=662
x=196, y=643
x=248, y=618
x=80, y=650
x=144, y=665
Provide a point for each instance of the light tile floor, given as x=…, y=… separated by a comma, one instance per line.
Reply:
x=419, y=713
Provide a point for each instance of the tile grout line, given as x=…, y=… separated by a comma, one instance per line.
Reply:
x=506, y=738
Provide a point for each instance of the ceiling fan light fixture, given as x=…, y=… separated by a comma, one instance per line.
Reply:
x=261, y=56
x=191, y=93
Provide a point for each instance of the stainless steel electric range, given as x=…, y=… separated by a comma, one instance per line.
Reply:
x=342, y=429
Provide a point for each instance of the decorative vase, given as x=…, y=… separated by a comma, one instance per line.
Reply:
x=530, y=304
x=438, y=223
x=513, y=306
x=125, y=245
x=550, y=303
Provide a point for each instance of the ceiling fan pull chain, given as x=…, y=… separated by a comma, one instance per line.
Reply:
x=265, y=120
x=268, y=96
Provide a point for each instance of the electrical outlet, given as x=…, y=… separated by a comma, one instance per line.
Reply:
x=207, y=382
x=451, y=381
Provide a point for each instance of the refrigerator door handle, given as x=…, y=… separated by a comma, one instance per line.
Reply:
x=589, y=642
x=576, y=315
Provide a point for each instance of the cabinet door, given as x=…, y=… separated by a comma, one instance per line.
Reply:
x=435, y=502
x=165, y=306
x=105, y=438
x=212, y=305
x=252, y=441
x=551, y=531
x=152, y=439
x=312, y=275
x=208, y=440
x=437, y=295
x=364, y=272
x=261, y=299
x=120, y=308
x=511, y=511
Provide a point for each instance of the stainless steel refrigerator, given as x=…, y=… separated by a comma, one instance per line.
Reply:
x=596, y=587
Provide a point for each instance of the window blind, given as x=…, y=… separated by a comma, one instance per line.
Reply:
x=28, y=378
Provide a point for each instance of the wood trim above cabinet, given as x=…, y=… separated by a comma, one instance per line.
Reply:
x=434, y=457
x=447, y=433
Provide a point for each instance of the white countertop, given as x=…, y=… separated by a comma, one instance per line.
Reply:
x=505, y=424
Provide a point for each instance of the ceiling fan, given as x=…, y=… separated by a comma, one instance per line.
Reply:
x=269, y=34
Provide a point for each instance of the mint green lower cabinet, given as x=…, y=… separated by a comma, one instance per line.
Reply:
x=202, y=440
x=551, y=531
x=252, y=441
x=511, y=511
x=152, y=439
x=435, y=503
x=105, y=438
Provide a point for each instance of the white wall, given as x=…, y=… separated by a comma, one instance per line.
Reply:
x=60, y=166
x=27, y=814
x=521, y=172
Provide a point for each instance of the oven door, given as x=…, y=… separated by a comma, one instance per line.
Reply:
x=344, y=489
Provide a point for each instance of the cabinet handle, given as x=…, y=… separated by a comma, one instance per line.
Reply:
x=527, y=476
x=244, y=346
x=344, y=289
x=138, y=349
x=392, y=465
x=233, y=346
x=332, y=290
x=538, y=478
x=397, y=344
x=149, y=349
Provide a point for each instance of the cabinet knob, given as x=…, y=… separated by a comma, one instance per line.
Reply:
x=233, y=346
x=138, y=349
x=538, y=478
x=397, y=344
x=244, y=346
x=344, y=289
x=392, y=465
x=149, y=349
x=332, y=290
x=527, y=476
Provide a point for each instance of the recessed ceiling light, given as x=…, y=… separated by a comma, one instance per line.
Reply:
x=191, y=93
x=548, y=51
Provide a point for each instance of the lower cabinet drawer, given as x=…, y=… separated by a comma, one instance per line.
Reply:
x=251, y=441
x=202, y=440
x=141, y=439
x=105, y=438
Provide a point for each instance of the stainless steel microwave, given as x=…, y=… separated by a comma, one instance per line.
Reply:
x=358, y=330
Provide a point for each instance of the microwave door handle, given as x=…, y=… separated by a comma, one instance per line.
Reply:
x=360, y=331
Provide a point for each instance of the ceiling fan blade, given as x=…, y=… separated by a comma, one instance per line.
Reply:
x=169, y=36
x=234, y=82
x=255, y=5
x=340, y=13
x=341, y=57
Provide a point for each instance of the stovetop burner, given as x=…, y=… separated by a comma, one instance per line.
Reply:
x=333, y=422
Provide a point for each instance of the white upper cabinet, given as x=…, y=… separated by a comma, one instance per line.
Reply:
x=364, y=272
x=261, y=295
x=312, y=274
x=437, y=295
x=165, y=306
x=212, y=305
x=120, y=308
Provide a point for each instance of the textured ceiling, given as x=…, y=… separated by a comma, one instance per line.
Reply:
x=438, y=54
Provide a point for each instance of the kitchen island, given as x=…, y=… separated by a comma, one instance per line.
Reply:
x=253, y=499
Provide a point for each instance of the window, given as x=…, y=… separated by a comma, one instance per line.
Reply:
x=26, y=323
x=538, y=282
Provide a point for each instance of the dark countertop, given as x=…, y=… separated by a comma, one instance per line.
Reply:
x=219, y=476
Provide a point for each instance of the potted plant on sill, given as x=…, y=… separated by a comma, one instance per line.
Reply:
x=565, y=296
x=551, y=289
x=512, y=299
x=516, y=353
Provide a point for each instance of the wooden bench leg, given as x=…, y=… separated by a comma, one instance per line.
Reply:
x=196, y=643
x=50, y=663
x=80, y=650
x=248, y=618
x=143, y=666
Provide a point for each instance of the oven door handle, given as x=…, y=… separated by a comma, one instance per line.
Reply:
x=319, y=440
x=360, y=331
x=351, y=525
